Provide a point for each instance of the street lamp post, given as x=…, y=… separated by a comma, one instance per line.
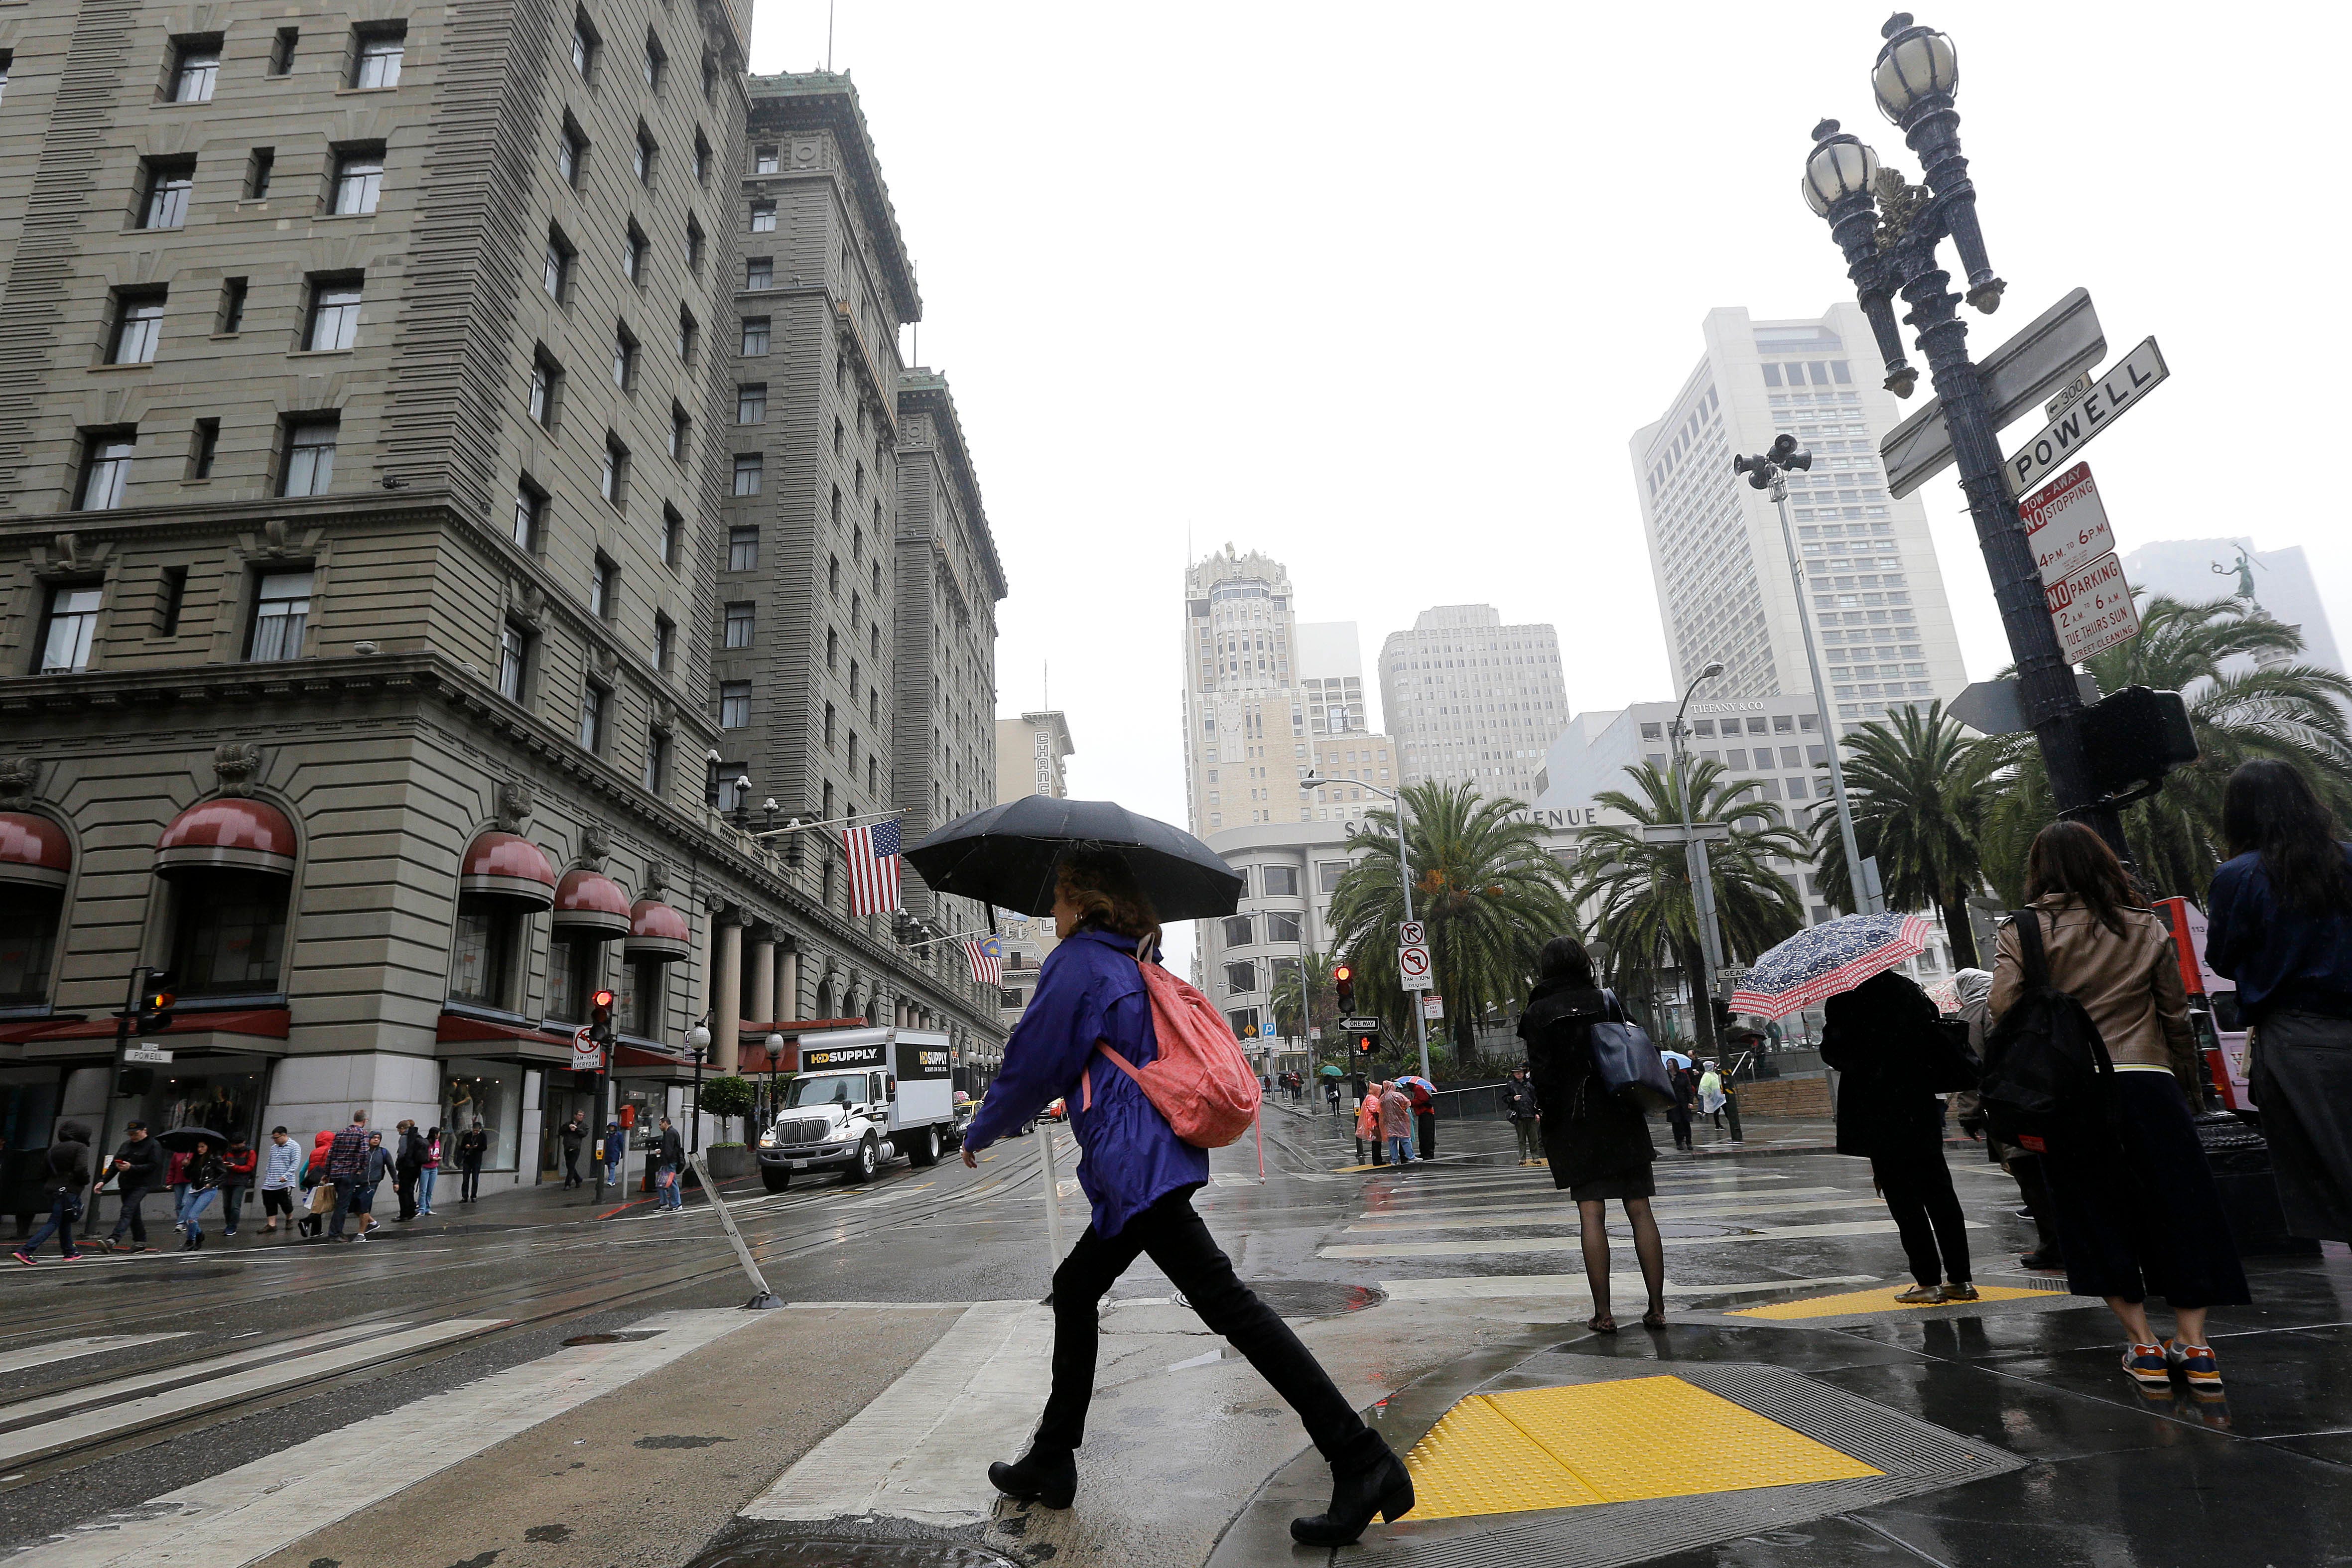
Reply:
x=1889, y=232
x=698, y=1040
x=1310, y=779
x=1701, y=872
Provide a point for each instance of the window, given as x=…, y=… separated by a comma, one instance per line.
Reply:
x=231, y=318
x=763, y=217
x=739, y=626
x=648, y=150
x=105, y=469
x=593, y=701
x=1281, y=881
x=359, y=179
x=751, y=402
x=282, y=612
x=664, y=641
x=1327, y=874
x=829, y=717
x=232, y=928
x=72, y=623
x=571, y=154
x=693, y=246
x=656, y=775
x=546, y=389
x=755, y=334
x=259, y=164
x=574, y=966
x=624, y=359
x=763, y=160
x=1240, y=930
x=137, y=327
x=514, y=660
x=170, y=181
x=195, y=67
x=657, y=63
x=309, y=468
x=281, y=51
x=1241, y=979
x=556, y=274
x=201, y=450
x=529, y=511
x=603, y=589
x=482, y=948
x=615, y=483
x=735, y=705
x=747, y=473
x=335, y=315
x=742, y=549
x=701, y=158
x=673, y=536
x=584, y=44
x=1282, y=925
x=689, y=334
x=633, y=253
x=681, y=432
x=759, y=272
x=377, y=61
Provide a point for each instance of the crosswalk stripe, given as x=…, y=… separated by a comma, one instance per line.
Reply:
x=43, y=1437
x=243, y=1515
x=1554, y=1216
x=150, y=1378
x=921, y=1451
x=82, y=1345
x=1493, y=1286
x=1663, y=1204
x=1393, y=1250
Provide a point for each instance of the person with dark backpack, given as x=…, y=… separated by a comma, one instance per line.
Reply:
x=2088, y=1065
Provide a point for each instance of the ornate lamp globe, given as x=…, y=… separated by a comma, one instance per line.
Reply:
x=698, y=1038
x=1916, y=64
x=1839, y=166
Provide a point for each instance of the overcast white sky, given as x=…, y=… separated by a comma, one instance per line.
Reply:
x=1384, y=290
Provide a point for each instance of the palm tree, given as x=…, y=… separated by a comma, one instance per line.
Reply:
x=1642, y=891
x=1483, y=884
x=1302, y=995
x=1920, y=787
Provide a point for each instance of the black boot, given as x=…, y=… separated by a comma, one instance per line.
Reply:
x=1049, y=1476
x=1370, y=1481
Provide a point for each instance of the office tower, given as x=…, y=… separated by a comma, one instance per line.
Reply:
x=1717, y=554
x=1471, y=701
x=1332, y=678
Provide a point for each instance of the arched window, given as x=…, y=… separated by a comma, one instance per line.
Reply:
x=230, y=861
x=35, y=860
x=501, y=883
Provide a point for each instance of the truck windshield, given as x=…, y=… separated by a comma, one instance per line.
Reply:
x=845, y=1090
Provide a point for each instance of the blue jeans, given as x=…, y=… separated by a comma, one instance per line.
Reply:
x=673, y=1191
x=232, y=1203
x=63, y=1211
x=425, y=1188
x=352, y=1196
x=1400, y=1151
x=193, y=1207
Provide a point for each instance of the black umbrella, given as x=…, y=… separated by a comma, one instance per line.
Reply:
x=184, y=1138
x=1006, y=855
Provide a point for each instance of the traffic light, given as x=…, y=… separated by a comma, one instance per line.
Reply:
x=2134, y=737
x=155, y=1000
x=600, y=1017
x=1364, y=1044
x=1343, y=982
x=1724, y=1019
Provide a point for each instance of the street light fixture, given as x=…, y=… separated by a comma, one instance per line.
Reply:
x=1694, y=857
x=1309, y=780
x=698, y=1040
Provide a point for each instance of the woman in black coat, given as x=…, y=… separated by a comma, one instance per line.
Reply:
x=1597, y=1145
x=1876, y=1036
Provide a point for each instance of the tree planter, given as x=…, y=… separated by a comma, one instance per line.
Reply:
x=729, y=1161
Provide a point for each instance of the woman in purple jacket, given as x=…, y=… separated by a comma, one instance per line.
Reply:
x=1139, y=1178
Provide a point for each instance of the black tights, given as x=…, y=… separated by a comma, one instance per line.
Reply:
x=1594, y=1217
x=1175, y=1239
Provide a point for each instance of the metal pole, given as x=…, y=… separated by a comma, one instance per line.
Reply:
x=762, y=1296
x=1405, y=872
x=1862, y=902
x=1052, y=1196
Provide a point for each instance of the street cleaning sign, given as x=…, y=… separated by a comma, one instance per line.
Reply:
x=2066, y=525
x=2124, y=385
x=2092, y=609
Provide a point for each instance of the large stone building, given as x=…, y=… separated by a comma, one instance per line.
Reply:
x=1471, y=701
x=361, y=478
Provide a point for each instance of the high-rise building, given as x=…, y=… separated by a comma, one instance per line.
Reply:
x=2195, y=570
x=1029, y=753
x=1715, y=549
x=1332, y=678
x=1471, y=701
x=366, y=657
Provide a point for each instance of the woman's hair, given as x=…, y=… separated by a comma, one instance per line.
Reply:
x=1104, y=888
x=2269, y=809
x=2069, y=859
x=1564, y=958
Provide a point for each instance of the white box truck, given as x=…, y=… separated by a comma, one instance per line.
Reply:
x=862, y=1097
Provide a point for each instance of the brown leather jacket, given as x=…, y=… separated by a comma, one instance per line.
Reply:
x=2129, y=984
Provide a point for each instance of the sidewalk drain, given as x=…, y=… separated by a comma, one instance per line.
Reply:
x=748, y=1545
x=623, y=1337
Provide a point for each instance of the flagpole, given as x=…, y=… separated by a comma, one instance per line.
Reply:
x=796, y=825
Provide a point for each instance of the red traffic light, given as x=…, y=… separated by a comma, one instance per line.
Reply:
x=1343, y=973
x=603, y=999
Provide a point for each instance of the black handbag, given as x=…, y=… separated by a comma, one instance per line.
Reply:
x=1629, y=1066
x=1946, y=1061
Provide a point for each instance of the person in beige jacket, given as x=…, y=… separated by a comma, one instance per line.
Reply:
x=2136, y=1207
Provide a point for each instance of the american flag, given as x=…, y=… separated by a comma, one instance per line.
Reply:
x=987, y=955
x=873, y=852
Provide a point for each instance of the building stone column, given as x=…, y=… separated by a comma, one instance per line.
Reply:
x=726, y=990
x=763, y=960
x=788, y=982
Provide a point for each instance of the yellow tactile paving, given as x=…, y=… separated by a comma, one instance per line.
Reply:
x=1880, y=1299
x=1606, y=1442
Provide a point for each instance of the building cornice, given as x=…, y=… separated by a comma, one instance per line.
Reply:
x=927, y=391
x=823, y=100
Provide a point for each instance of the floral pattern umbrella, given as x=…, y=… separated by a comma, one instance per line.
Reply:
x=1823, y=959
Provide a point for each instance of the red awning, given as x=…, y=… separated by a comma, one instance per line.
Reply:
x=752, y=1056
x=658, y=932
x=229, y=833
x=505, y=867
x=458, y=1028
x=590, y=904
x=260, y=1023
x=34, y=851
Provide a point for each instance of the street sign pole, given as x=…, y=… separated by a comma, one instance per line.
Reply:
x=1404, y=873
x=1830, y=737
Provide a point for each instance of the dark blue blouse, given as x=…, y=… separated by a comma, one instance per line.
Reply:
x=2279, y=959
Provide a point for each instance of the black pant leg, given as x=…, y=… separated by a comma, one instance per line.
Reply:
x=1426, y=1124
x=1092, y=1267
x=2035, y=1190
x=1901, y=1185
x=1944, y=1214
x=1185, y=1251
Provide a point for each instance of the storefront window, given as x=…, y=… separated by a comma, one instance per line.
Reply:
x=574, y=966
x=491, y=1092
x=482, y=950
x=642, y=998
x=28, y=941
x=232, y=931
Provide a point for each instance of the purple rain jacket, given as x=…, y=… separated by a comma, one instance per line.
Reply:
x=1089, y=990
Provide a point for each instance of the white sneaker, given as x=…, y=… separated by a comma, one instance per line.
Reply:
x=360, y=1237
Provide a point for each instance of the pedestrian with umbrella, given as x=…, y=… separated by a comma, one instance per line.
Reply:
x=1885, y=1038
x=1092, y=1030
x=1424, y=1096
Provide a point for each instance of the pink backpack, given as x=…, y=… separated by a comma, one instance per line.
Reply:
x=1200, y=1080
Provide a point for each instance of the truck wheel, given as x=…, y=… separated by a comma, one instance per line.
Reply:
x=775, y=1180
x=925, y=1150
x=861, y=1170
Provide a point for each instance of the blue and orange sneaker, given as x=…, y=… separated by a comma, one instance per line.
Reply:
x=2147, y=1363
x=2195, y=1362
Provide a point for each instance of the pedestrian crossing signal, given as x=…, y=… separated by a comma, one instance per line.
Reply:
x=1364, y=1044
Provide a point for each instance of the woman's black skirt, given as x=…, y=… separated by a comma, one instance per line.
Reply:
x=2145, y=1218
x=1635, y=1183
